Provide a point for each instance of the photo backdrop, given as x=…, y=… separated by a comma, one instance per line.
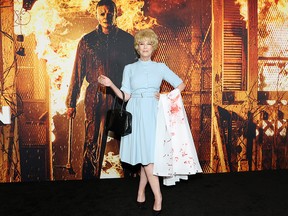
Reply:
x=234, y=67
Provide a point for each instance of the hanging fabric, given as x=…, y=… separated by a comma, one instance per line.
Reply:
x=175, y=152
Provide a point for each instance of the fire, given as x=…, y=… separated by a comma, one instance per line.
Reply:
x=132, y=16
x=112, y=167
x=59, y=55
x=272, y=42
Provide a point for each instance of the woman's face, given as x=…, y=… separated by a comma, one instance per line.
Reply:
x=145, y=49
x=106, y=16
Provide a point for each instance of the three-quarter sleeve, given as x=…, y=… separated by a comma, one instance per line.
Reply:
x=126, y=85
x=170, y=76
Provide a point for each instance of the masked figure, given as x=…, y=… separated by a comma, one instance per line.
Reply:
x=104, y=51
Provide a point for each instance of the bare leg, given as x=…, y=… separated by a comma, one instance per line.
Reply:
x=155, y=186
x=142, y=185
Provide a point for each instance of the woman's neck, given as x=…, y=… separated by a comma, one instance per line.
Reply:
x=145, y=58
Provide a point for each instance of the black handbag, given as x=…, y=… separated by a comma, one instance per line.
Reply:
x=119, y=121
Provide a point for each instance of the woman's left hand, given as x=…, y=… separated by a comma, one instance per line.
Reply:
x=157, y=95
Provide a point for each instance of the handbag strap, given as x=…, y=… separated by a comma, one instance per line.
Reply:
x=123, y=101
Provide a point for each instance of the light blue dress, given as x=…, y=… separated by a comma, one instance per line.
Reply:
x=142, y=80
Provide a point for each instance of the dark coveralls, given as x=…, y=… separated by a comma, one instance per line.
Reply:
x=98, y=54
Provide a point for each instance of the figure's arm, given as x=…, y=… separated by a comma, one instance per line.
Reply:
x=77, y=78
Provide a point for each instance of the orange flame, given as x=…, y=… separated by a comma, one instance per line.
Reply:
x=132, y=17
x=112, y=166
x=273, y=41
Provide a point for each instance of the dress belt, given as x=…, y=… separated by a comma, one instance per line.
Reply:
x=143, y=95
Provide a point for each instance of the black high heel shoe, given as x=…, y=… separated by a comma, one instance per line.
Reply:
x=141, y=205
x=156, y=213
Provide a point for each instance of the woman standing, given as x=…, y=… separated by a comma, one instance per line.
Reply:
x=141, y=85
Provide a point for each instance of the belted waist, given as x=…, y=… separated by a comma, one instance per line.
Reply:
x=143, y=95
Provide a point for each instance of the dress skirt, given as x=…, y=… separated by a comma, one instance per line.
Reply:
x=138, y=147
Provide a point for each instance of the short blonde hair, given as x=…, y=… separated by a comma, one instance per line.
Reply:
x=146, y=34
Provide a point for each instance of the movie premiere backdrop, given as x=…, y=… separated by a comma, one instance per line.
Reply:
x=231, y=54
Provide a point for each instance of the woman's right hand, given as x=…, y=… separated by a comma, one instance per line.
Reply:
x=105, y=81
